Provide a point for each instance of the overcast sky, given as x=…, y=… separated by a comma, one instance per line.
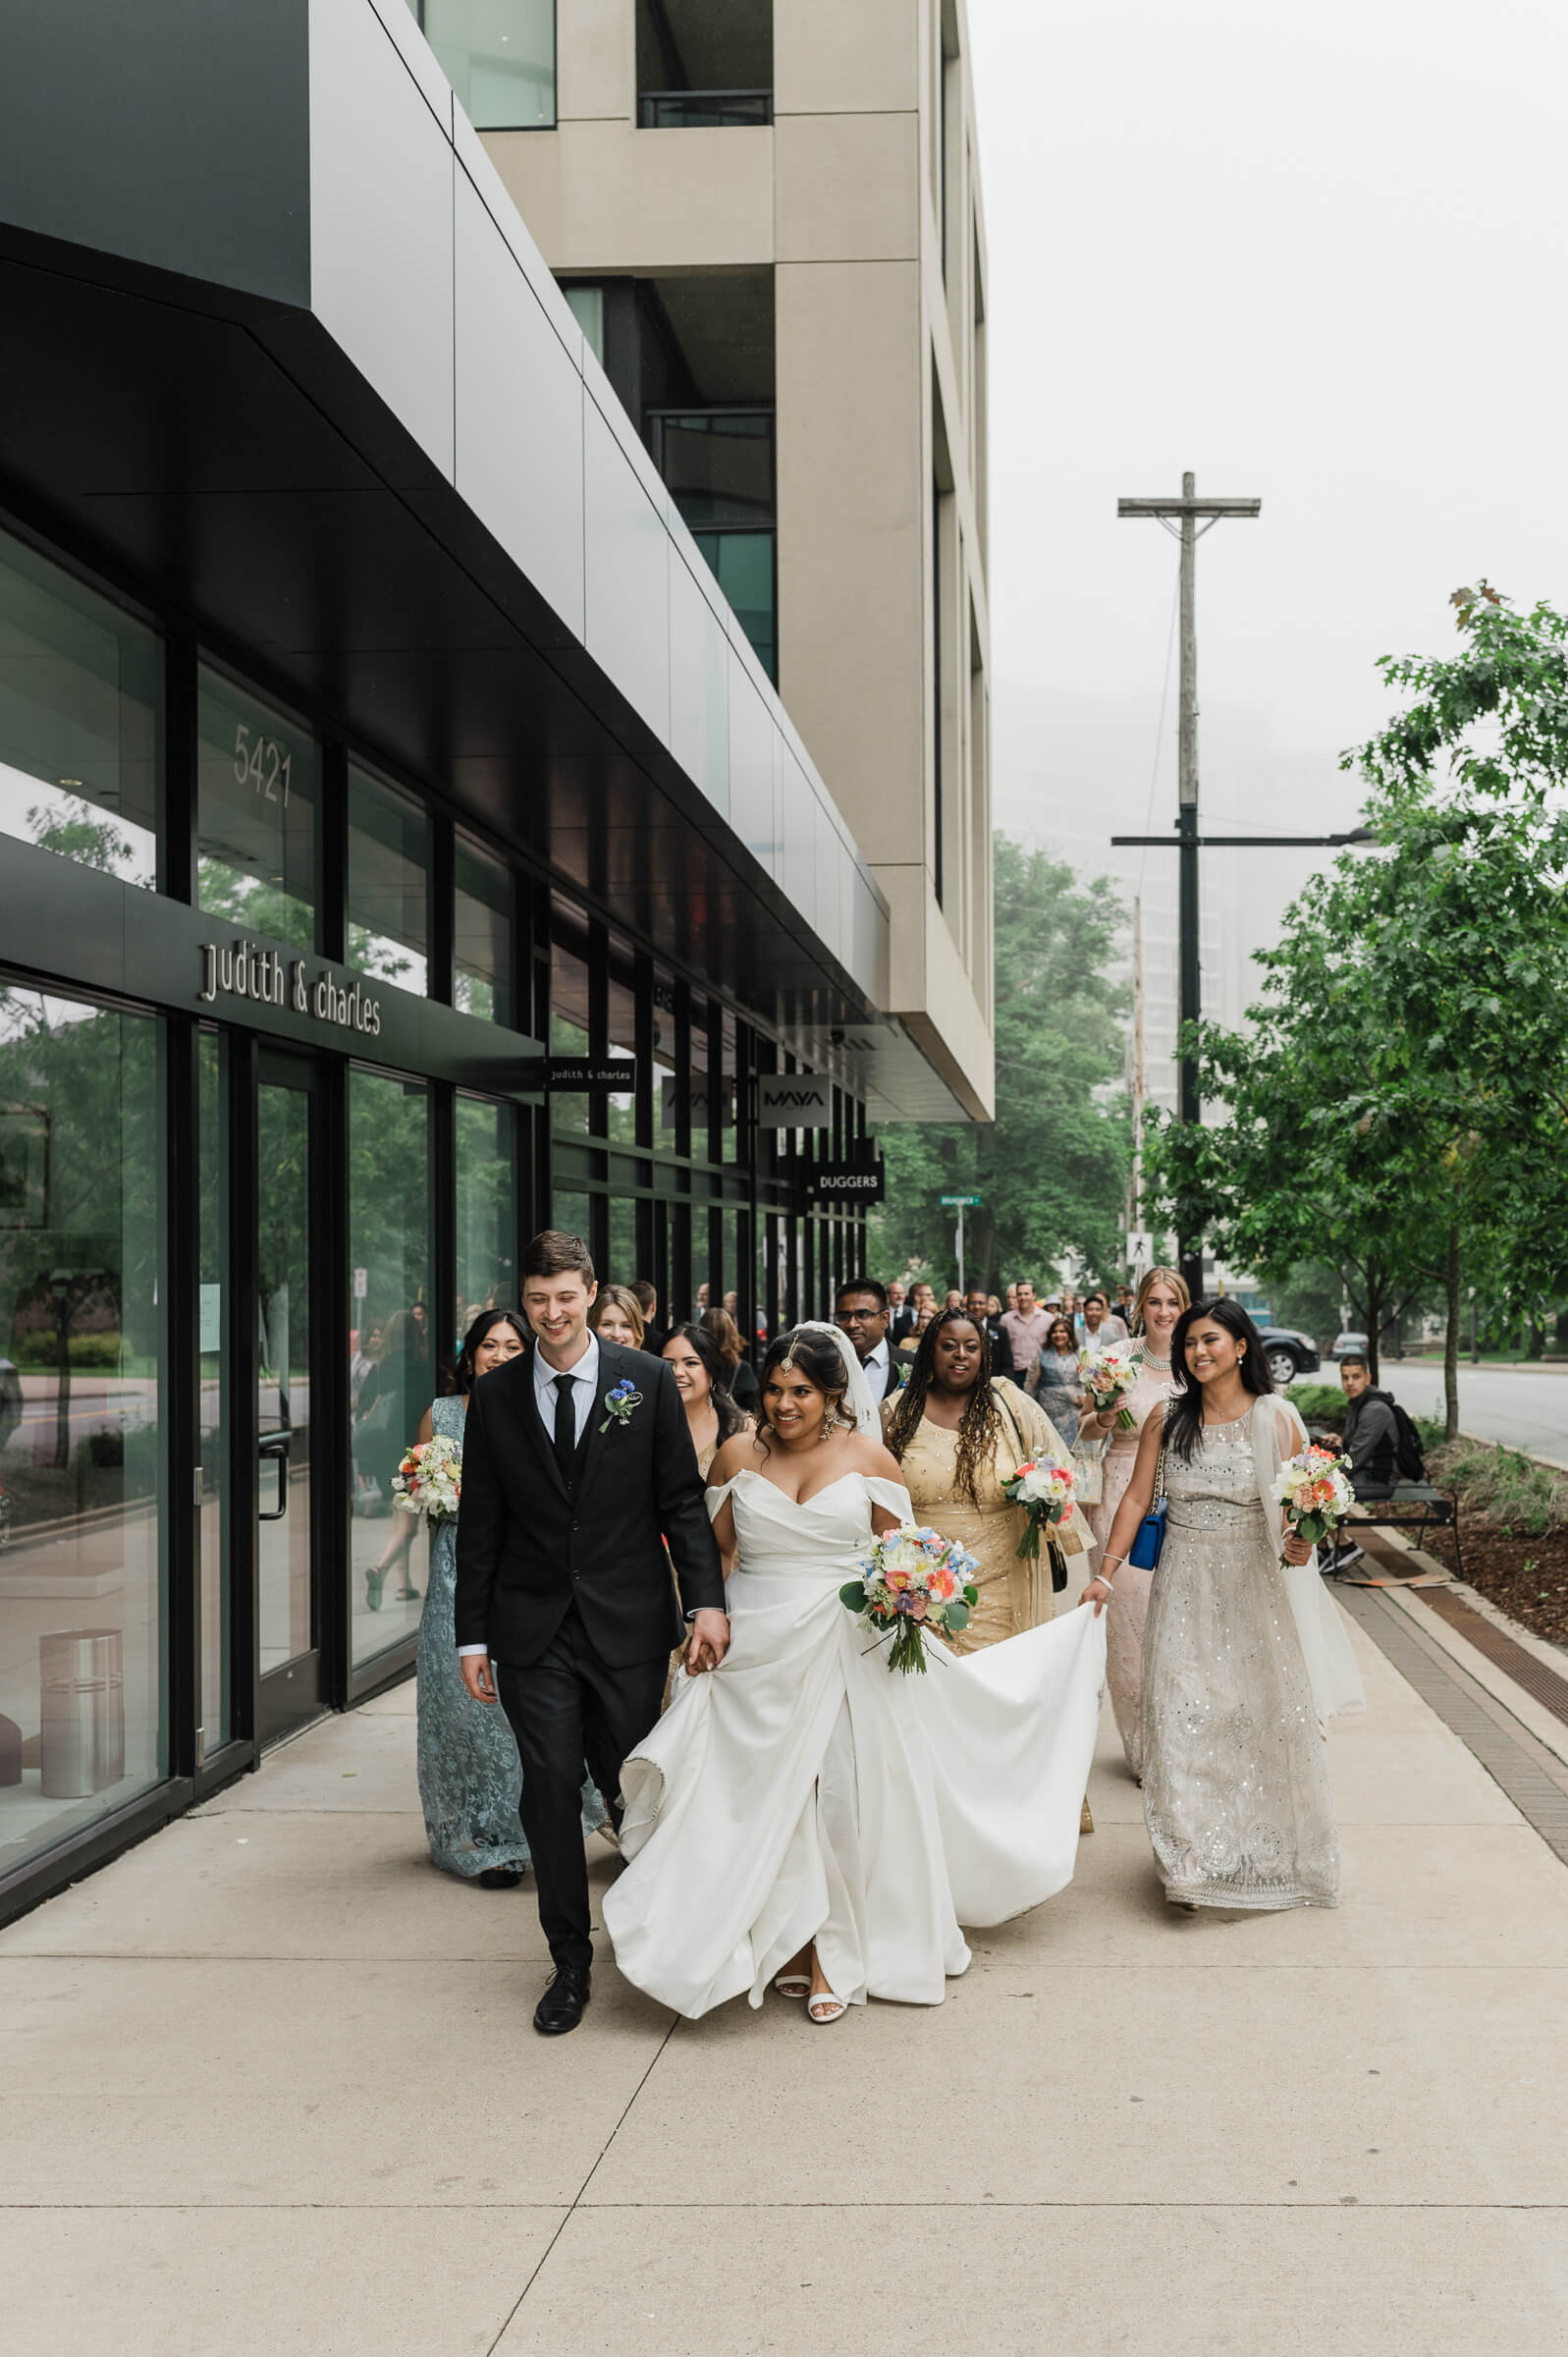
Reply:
x=1318, y=255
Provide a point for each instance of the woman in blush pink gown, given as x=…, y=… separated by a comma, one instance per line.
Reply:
x=1160, y=1299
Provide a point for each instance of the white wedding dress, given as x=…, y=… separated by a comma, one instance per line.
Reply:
x=803, y=1792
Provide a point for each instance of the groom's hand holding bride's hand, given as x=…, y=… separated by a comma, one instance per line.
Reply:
x=710, y=1641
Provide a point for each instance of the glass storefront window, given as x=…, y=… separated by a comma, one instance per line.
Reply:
x=482, y=937
x=621, y=997
x=586, y=303
x=81, y=1605
x=624, y=1240
x=568, y=1007
x=80, y=720
x=389, y=887
x=499, y=58
x=569, y=1212
x=392, y=1352
x=258, y=791
x=213, y=1278
x=487, y=1210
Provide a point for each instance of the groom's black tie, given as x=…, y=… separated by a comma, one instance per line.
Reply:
x=565, y=1431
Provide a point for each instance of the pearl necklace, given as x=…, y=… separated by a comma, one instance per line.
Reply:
x=1156, y=1366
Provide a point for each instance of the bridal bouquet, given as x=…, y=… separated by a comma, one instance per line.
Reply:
x=429, y=1480
x=1109, y=1373
x=913, y=1579
x=1043, y=1489
x=1314, y=1491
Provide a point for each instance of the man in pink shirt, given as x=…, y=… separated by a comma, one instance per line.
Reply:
x=1026, y=1328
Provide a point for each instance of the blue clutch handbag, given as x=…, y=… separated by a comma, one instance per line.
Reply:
x=1144, y=1553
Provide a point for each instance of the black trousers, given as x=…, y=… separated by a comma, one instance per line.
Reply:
x=566, y=1706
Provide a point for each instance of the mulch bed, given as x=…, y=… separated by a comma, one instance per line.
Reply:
x=1522, y=1577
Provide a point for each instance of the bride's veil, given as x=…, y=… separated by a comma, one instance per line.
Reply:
x=857, y=1390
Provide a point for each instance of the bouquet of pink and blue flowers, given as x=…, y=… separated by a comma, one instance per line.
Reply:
x=914, y=1580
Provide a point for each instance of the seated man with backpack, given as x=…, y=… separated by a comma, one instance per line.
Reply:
x=1380, y=1441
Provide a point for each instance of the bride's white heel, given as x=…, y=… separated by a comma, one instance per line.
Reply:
x=792, y=1984
x=825, y=2007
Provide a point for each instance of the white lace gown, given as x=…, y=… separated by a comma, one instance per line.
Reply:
x=1235, y=1779
x=802, y=1791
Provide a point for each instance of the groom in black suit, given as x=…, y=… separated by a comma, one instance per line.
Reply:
x=577, y=1465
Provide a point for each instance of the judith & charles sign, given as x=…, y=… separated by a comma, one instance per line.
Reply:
x=243, y=970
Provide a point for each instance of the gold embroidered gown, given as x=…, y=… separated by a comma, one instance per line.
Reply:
x=1015, y=1594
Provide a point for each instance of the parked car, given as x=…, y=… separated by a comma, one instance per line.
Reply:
x=1350, y=1346
x=1288, y=1354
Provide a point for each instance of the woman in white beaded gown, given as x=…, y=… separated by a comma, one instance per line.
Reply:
x=803, y=1815
x=1242, y=1659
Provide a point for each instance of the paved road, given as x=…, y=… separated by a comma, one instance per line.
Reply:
x=1525, y=1406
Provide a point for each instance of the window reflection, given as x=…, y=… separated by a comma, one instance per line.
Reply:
x=80, y=1450
x=257, y=793
x=388, y=868
x=393, y=1351
x=482, y=937
x=80, y=720
x=487, y=1219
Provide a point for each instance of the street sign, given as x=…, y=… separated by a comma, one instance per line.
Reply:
x=961, y=1202
x=362, y=1283
x=851, y=1181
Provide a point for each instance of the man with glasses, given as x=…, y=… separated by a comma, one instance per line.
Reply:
x=861, y=1312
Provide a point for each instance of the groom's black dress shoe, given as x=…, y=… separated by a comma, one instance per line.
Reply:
x=560, y=2009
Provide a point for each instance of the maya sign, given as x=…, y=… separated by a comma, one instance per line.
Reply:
x=794, y=1101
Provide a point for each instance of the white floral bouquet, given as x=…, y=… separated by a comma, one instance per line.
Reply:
x=1045, y=1490
x=429, y=1480
x=913, y=1579
x=1314, y=1491
x=1109, y=1373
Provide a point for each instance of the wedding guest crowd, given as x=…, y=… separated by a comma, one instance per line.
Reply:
x=1220, y=1695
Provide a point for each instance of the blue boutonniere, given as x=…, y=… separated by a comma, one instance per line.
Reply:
x=620, y=1400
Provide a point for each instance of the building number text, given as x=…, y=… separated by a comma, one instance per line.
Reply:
x=264, y=760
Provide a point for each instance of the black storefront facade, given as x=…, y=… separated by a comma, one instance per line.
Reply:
x=330, y=860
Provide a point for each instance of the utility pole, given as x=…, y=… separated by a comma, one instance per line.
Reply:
x=1180, y=517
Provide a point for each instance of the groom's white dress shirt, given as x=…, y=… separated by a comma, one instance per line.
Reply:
x=876, y=1365
x=584, y=1385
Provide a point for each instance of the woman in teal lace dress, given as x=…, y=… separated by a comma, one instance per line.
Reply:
x=469, y=1779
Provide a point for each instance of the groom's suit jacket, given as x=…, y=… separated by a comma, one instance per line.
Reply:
x=528, y=1548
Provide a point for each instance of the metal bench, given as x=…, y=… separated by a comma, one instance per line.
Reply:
x=1415, y=1506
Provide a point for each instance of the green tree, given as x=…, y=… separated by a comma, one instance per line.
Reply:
x=1400, y=1103
x=1053, y=1166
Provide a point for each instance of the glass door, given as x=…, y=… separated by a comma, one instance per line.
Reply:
x=288, y=1585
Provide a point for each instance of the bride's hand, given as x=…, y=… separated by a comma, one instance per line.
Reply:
x=710, y=1641
x=1096, y=1593
x=1295, y=1548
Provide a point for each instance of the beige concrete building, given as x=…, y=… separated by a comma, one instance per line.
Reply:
x=767, y=217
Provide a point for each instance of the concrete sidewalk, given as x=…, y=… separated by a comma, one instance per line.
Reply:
x=269, y=2083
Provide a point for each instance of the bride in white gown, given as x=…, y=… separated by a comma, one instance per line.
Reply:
x=803, y=1815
